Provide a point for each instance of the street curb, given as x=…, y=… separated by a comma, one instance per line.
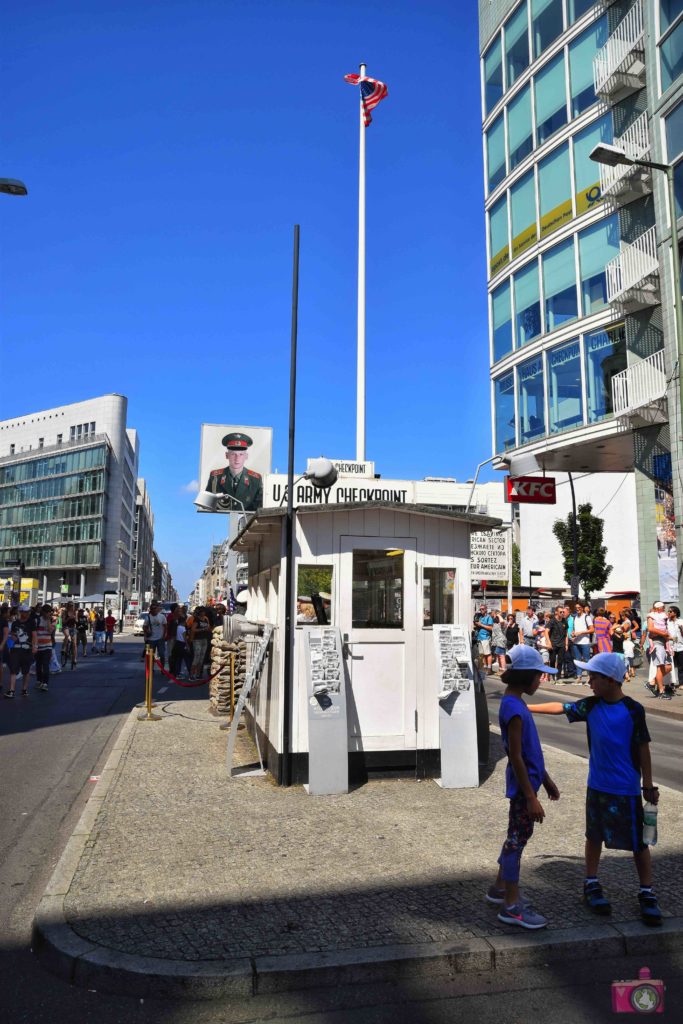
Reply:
x=90, y=965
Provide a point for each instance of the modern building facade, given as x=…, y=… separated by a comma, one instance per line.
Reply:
x=583, y=349
x=143, y=544
x=67, y=496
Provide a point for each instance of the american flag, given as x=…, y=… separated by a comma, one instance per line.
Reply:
x=231, y=603
x=372, y=92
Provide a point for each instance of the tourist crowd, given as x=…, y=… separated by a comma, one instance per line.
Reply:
x=574, y=632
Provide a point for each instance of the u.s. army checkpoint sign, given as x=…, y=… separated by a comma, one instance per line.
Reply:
x=489, y=554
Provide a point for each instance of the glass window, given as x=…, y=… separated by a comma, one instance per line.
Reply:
x=559, y=285
x=523, y=212
x=517, y=44
x=551, y=100
x=504, y=399
x=669, y=11
x=586, y=171
x=605, y=357
x=501, y=315
x=565, y=405
x=674, y=150
x=377, y=597
x=438, y=592
x=531, y=400
x=555, y=190
x=520, y=132
x=575, y=8
x=546, y=23
x=671, y=56
x=597, y=245
x=493, y=74
x=314, y=595
x=581, y=53
x=527, y=304
x=495, y=152
x=498, y=235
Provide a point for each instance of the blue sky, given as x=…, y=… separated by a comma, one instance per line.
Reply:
x=169, y=148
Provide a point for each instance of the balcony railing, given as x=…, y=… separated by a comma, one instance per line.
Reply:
x=638, y=392
x=626, y=182
x=633, y=275
x=618, y=67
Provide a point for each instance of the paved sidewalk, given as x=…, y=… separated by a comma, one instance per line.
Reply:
x=180, y=881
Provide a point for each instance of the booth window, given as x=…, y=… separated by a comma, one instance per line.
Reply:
x=438, y=591
x=314, y=595
x=377, y=589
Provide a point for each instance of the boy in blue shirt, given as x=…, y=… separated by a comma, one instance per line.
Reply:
x=524, y=776
x=619, y=754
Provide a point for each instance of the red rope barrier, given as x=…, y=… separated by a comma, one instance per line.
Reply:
x=198, y=682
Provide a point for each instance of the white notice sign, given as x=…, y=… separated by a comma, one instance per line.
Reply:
x=489, y=554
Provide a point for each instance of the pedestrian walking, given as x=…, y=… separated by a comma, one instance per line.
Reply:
x=21, y=655
x=82, y=626
x=45, y=642
x=675, y=629
x=182, y=652
x=581, y=638
x=524, y=775
x=498, y=641
x=527, y=629
x=618, y=763
x=557, y=635
x=602, y=632
x=99, y=632
x=483, y=625
x=511, y=632
x=154, y=631
x=200, y=635
x=109, y=627
x=658, y=635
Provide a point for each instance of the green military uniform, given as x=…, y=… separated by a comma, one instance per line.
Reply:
x=246, y=487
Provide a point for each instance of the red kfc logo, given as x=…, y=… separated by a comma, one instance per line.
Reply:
x=531, y=490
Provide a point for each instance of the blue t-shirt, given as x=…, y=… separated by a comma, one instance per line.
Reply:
x=532, y=754
x=615, y=732
x=485, y=634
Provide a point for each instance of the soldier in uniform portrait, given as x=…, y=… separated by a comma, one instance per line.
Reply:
x=235, y=481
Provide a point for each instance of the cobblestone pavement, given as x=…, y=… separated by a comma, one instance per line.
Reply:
x=186, y=864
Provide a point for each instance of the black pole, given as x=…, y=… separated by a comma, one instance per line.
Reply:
x=285, y=762
x=530, y=590
x=575, y=550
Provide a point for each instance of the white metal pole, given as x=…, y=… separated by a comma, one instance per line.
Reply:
x=360, y=371
x=509, y=546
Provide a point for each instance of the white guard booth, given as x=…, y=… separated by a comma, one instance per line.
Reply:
x=385, y=576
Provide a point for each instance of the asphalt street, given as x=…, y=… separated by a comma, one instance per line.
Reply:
x=555, y=730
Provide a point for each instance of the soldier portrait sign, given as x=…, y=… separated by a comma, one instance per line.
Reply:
x=233, y=462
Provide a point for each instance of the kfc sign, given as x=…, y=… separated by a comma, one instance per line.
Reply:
x=531, y=490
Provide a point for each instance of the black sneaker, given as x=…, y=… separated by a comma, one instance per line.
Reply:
x=649, y=909
x=665, y=695
x=595, y=899
x=651, y=688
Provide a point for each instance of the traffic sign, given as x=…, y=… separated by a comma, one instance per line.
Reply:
x=531, y=490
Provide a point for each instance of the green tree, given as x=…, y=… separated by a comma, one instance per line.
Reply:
x=314, y=579
x=593, y=570
x=516, y=566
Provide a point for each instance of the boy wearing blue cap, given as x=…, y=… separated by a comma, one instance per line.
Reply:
x=619, y=755
x=524, y=776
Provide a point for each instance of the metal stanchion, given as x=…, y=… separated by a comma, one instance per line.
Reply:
x=149, y=674
x=148, y=650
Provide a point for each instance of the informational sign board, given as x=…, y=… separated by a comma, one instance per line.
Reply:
x=489, y=554
x=530, y=490
x=346, y=467
x=233, y=462
x=457, y=714
x=328, y=759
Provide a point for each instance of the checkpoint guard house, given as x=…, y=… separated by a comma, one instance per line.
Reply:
x=390, y=575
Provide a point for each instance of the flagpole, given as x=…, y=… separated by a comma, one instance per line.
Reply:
x=360, y=370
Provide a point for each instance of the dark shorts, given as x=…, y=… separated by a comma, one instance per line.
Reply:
x=20, y=661
x=616, y=821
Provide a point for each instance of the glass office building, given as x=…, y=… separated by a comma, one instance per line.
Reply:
x=581, y=332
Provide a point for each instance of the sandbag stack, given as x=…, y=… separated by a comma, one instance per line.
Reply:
x=219, y=689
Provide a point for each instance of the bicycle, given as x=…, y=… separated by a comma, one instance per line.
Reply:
x=69, y=651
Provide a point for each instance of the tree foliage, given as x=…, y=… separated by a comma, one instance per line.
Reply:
x=593, y=570
x=516, y=566
x=314, y=579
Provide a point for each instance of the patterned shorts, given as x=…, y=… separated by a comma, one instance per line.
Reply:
x=520, y=830
x=616, y=821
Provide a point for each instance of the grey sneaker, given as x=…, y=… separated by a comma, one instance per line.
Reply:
x=495, y=895
x=522, y=915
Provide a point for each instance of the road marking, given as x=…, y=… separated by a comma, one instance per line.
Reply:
x=94, y=778
x=163, y=689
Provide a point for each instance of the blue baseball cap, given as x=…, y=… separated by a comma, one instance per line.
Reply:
x=528, y=659
x=606, y=665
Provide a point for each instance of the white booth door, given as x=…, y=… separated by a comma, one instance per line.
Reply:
x=378, y=617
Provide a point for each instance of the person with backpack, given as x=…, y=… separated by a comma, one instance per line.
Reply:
x=619, y=763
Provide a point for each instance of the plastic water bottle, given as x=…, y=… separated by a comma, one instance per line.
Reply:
x=650, y=824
